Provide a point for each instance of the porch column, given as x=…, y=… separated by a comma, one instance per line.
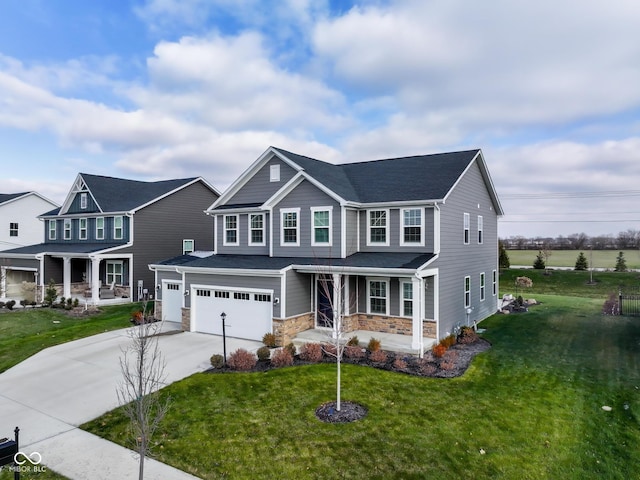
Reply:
x=337, y=306
x=3, y=282
x=95, y=280
x=66, y=277
x=417, y=286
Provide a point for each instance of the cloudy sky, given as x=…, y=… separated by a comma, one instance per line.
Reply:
x=156, y=89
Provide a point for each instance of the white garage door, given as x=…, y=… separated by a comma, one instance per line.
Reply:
x=14, y=282
x=249, y=312
x=172, y=301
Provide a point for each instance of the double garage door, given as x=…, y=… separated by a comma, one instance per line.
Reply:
x=248, y=312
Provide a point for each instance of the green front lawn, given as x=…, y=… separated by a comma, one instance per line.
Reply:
x=567, y=258
x=24, y=332
x=529, y=408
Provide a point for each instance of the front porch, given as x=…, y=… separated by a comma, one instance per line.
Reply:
x=392, y=342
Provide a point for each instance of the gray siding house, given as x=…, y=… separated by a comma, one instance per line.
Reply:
x=100, y=243
x=405, y=246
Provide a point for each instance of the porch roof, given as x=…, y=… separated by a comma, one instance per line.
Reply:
x=363, y=260
x=66, y=248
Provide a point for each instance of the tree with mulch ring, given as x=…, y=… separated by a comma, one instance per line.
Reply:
x=349, y=412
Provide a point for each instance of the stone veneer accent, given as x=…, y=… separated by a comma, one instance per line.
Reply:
x=186, y=319
x=157, y=309
x=288, y=328
x=395, y=325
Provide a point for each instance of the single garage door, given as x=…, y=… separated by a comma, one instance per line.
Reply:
x=172, y=301
x=249, y=312
x=14, y=282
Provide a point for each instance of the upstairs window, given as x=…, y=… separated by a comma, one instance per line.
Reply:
x=377, y=226
x=412, y=227
x=467, y=292
x=467, y=226
x=378, y=293
x=52, y=230
x=480, y=229
x=100, y=228
x=117, y=228
x=187, y=247
x=274, y=173
x=230, y=230
x=67, y=229
x=82, y=229
x=290, y=227
x=321, y=234
x=256, y=229
x=13, y=229
x=83, y=201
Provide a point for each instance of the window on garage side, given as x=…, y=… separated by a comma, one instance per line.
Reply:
x=241, y=296
x=467, y=227
x=480, y=229
x=256, y=229
x=467, y=292
x=230, y=230
x=482, y=287
x=290, y=227
x=114, y=272
x=494, y=283
x=13, y=229
x=377, y=292
x=187, y=246
x=321, y=234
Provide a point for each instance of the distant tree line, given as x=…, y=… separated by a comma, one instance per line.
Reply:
x=628, y=239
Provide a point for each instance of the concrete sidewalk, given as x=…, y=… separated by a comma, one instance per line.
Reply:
x=50, y=394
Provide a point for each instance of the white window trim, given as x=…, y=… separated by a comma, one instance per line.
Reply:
x=83, y=201
x=483, y=286
x=225, y=230
x=283, y=211
x=403, y=243
x=387, y=289
x=402, y=299
x=54, y=224
x=121, y=228
x=386, y=242
x=67, y=229
x=99, y=236
x=274, y=173
x=83, y=232
x=467, y=292
x=114, y=262
x=264, y=239
x=494, y=282
x=314, y=243
x=480, y=230
x=466, y=229
x=193, y=246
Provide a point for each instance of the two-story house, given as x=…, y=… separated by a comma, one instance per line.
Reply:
x=19, y=224
x=403, y=246
x=100, y=243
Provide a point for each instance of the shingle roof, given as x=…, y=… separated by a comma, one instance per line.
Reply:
x=61, y=248
x=5, y=197
x=121, y=195
x=422, y=177
x=378, y=260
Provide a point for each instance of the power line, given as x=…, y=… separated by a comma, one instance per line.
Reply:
x=562, y=195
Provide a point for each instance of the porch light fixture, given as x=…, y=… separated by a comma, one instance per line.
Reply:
x=186, y=293
x=158, y=287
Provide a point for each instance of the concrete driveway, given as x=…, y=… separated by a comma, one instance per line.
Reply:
x=51, y=393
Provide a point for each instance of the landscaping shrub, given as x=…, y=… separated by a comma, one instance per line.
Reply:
x=426, y=368
x=539, y=263
x=311, y=352
x=611, y=305
x=581, y=262
x=76, y=302
x=23, y=303
x=378, y=356
x=354, y=352
x=264, y=353
x=242, y=360
x=449, y=341
x=353, y=341
x=282, y=358
x=50, y=294
x=217, y=361
x=438, y=350
x=467, y=335
x=2, y=304
x=399, y=363
x=291, y=348
x=10, y=304
x=329, y=349
x=374, y=345
x=269, y=339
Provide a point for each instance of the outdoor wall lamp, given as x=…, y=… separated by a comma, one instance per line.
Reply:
x=158, y=287
x=276, y=301
x=186, y=293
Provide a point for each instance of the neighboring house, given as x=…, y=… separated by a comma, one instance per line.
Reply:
x=407, y=245
x=100, y=242
x=19, y=224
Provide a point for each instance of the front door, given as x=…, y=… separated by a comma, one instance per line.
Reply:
x=324, y=302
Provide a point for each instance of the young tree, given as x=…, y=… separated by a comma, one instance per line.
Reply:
x=50, y=294
x=503, y=256
x=143, y=373
x=539, y=263
x=621, y=263
x=581, y=262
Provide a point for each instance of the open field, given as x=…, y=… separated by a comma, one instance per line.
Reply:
x=529, y=408
x=567, y=258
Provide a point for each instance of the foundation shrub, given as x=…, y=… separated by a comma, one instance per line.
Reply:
x=353, y=341
x=329, y=349
x=467, y=335
x=217, y=361
x=439, y=350
x=449, y=341
x=426, y=368
x=354, y=352
x=269, y=339
x=374, y=345
x=242, y=360
x=264, y=353
x=311, y=352
x=399, y=364
x=291, y=348
x=378, y=356
x=282, y=358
